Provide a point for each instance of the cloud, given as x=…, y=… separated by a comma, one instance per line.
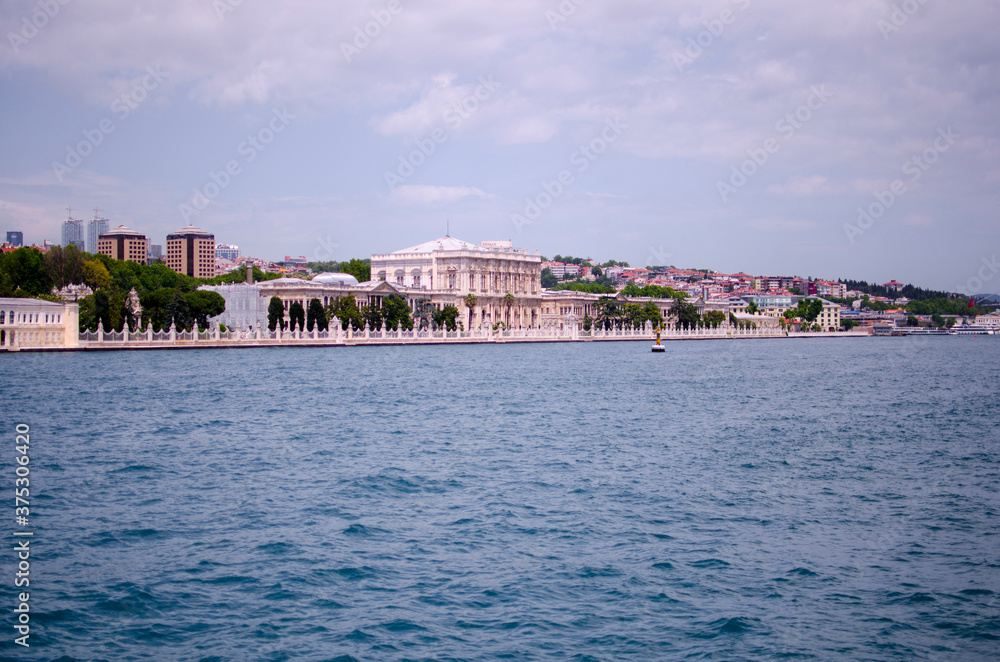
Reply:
x=801, y=186
x=427, y=195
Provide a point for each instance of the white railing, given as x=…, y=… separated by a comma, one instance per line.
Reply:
x=336, y=335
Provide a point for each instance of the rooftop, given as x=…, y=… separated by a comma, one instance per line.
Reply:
x=190, y=230
x=121, y=231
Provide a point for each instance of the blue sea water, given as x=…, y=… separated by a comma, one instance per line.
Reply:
x=727, y=500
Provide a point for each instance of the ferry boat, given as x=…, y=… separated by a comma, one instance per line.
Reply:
x=972, y=330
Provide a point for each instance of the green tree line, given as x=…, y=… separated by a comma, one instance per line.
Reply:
x=165, y=295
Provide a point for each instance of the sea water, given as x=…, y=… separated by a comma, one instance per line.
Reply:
x=827, y=499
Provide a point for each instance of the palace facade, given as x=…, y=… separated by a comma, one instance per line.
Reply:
x=505, y=281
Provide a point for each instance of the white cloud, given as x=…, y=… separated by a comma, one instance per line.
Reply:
x=426, y=195
x=801, y=186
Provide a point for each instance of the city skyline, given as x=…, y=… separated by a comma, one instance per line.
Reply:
x=849, y=141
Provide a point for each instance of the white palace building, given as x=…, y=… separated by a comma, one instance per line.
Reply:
x=505, y=282
x=37, y=324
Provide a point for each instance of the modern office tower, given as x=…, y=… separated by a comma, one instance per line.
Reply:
x=191, y=251
x=15, y=238
x=154, y=253
x=72, y=233
x=123, y=243
x=95, y=228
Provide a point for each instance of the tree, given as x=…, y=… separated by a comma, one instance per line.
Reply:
x=685, y=313
x=316, y=316
x=470, y=303
x=321, y=267
x=64, y=265
x=275, y=314
x=154, y=307
x=395, y=312
x=848, y=324
x=714, y=318
x=937, y=320
x=346, y=310
x=88, y=313
x=652, y=313
x=296, y=317
x=752, y=308
x=912, y=321
x=597, y=287
x=607, y=313
x=588, y=322
x=26, y=269
x=102, y=309
x=360, y=269
x=596, y=272
x=548, y=279
x=203, y=305
x=807, y=309
x=178, y=311
x=447, y=317
x=96, y=275
x=372, y=316
x=632, y=315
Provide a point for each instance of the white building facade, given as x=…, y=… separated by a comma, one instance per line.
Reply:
x=246, y=307
x=37, y=324
x=447, y=270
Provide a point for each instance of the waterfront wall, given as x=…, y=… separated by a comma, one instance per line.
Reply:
x=336, y=336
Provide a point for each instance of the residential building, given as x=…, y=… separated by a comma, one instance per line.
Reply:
x=776, y=305
x=123, y=243
x=893, y=286
x=15, y=238
x=72, y=234
x=95, y=228
x=229, y=252
x=191, y=251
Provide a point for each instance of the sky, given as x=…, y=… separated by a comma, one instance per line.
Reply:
x=849, y=139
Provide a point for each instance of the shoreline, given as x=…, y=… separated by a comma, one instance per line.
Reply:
x=111, y=346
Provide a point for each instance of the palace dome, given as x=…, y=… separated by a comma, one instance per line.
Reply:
x=329, y=278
